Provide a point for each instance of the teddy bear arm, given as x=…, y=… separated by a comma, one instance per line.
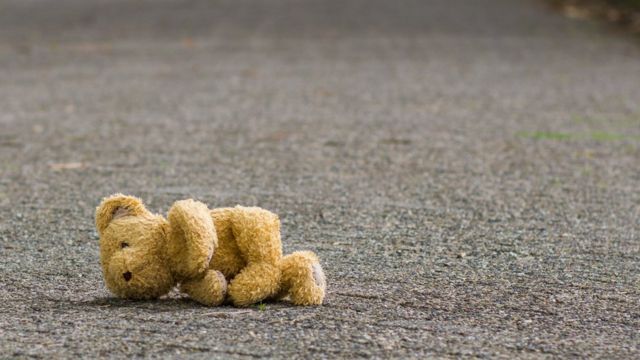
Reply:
x=191, y=239
x=209, y=290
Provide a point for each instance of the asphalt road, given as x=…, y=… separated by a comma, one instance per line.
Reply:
x=468, y=172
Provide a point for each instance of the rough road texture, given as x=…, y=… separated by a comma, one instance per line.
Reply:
x=467, y=170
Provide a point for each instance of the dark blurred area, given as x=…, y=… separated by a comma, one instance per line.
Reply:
x=625, y=13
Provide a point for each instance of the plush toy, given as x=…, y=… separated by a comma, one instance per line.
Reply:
x=144, y=255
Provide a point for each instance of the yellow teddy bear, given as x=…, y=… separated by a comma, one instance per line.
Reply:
x=144, y=255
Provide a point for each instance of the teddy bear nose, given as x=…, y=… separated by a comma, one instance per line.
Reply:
x=127, y=276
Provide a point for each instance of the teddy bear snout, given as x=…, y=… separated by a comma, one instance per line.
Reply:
x=127, y=276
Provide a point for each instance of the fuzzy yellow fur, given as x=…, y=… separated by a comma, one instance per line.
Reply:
x=232, y=254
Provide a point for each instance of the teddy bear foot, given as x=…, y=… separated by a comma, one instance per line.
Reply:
x=210, y=290
x=303, y=280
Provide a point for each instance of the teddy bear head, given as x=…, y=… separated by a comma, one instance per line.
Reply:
x=143, y=255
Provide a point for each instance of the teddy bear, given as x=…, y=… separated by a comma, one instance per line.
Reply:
x=215, y=256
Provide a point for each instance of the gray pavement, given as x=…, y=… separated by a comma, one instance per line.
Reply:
x=468, y=171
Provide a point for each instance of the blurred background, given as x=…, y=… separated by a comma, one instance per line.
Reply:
x=467, y=170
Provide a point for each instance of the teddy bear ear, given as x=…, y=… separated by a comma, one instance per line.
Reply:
x=117, y=206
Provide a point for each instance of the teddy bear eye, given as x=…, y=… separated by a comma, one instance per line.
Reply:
x=124, y=245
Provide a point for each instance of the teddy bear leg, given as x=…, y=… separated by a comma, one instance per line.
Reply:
x=257, y=234
x=303, y=279
x=256, y=282
x=209, y=290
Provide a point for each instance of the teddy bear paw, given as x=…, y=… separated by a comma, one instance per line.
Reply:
x=210, y=290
